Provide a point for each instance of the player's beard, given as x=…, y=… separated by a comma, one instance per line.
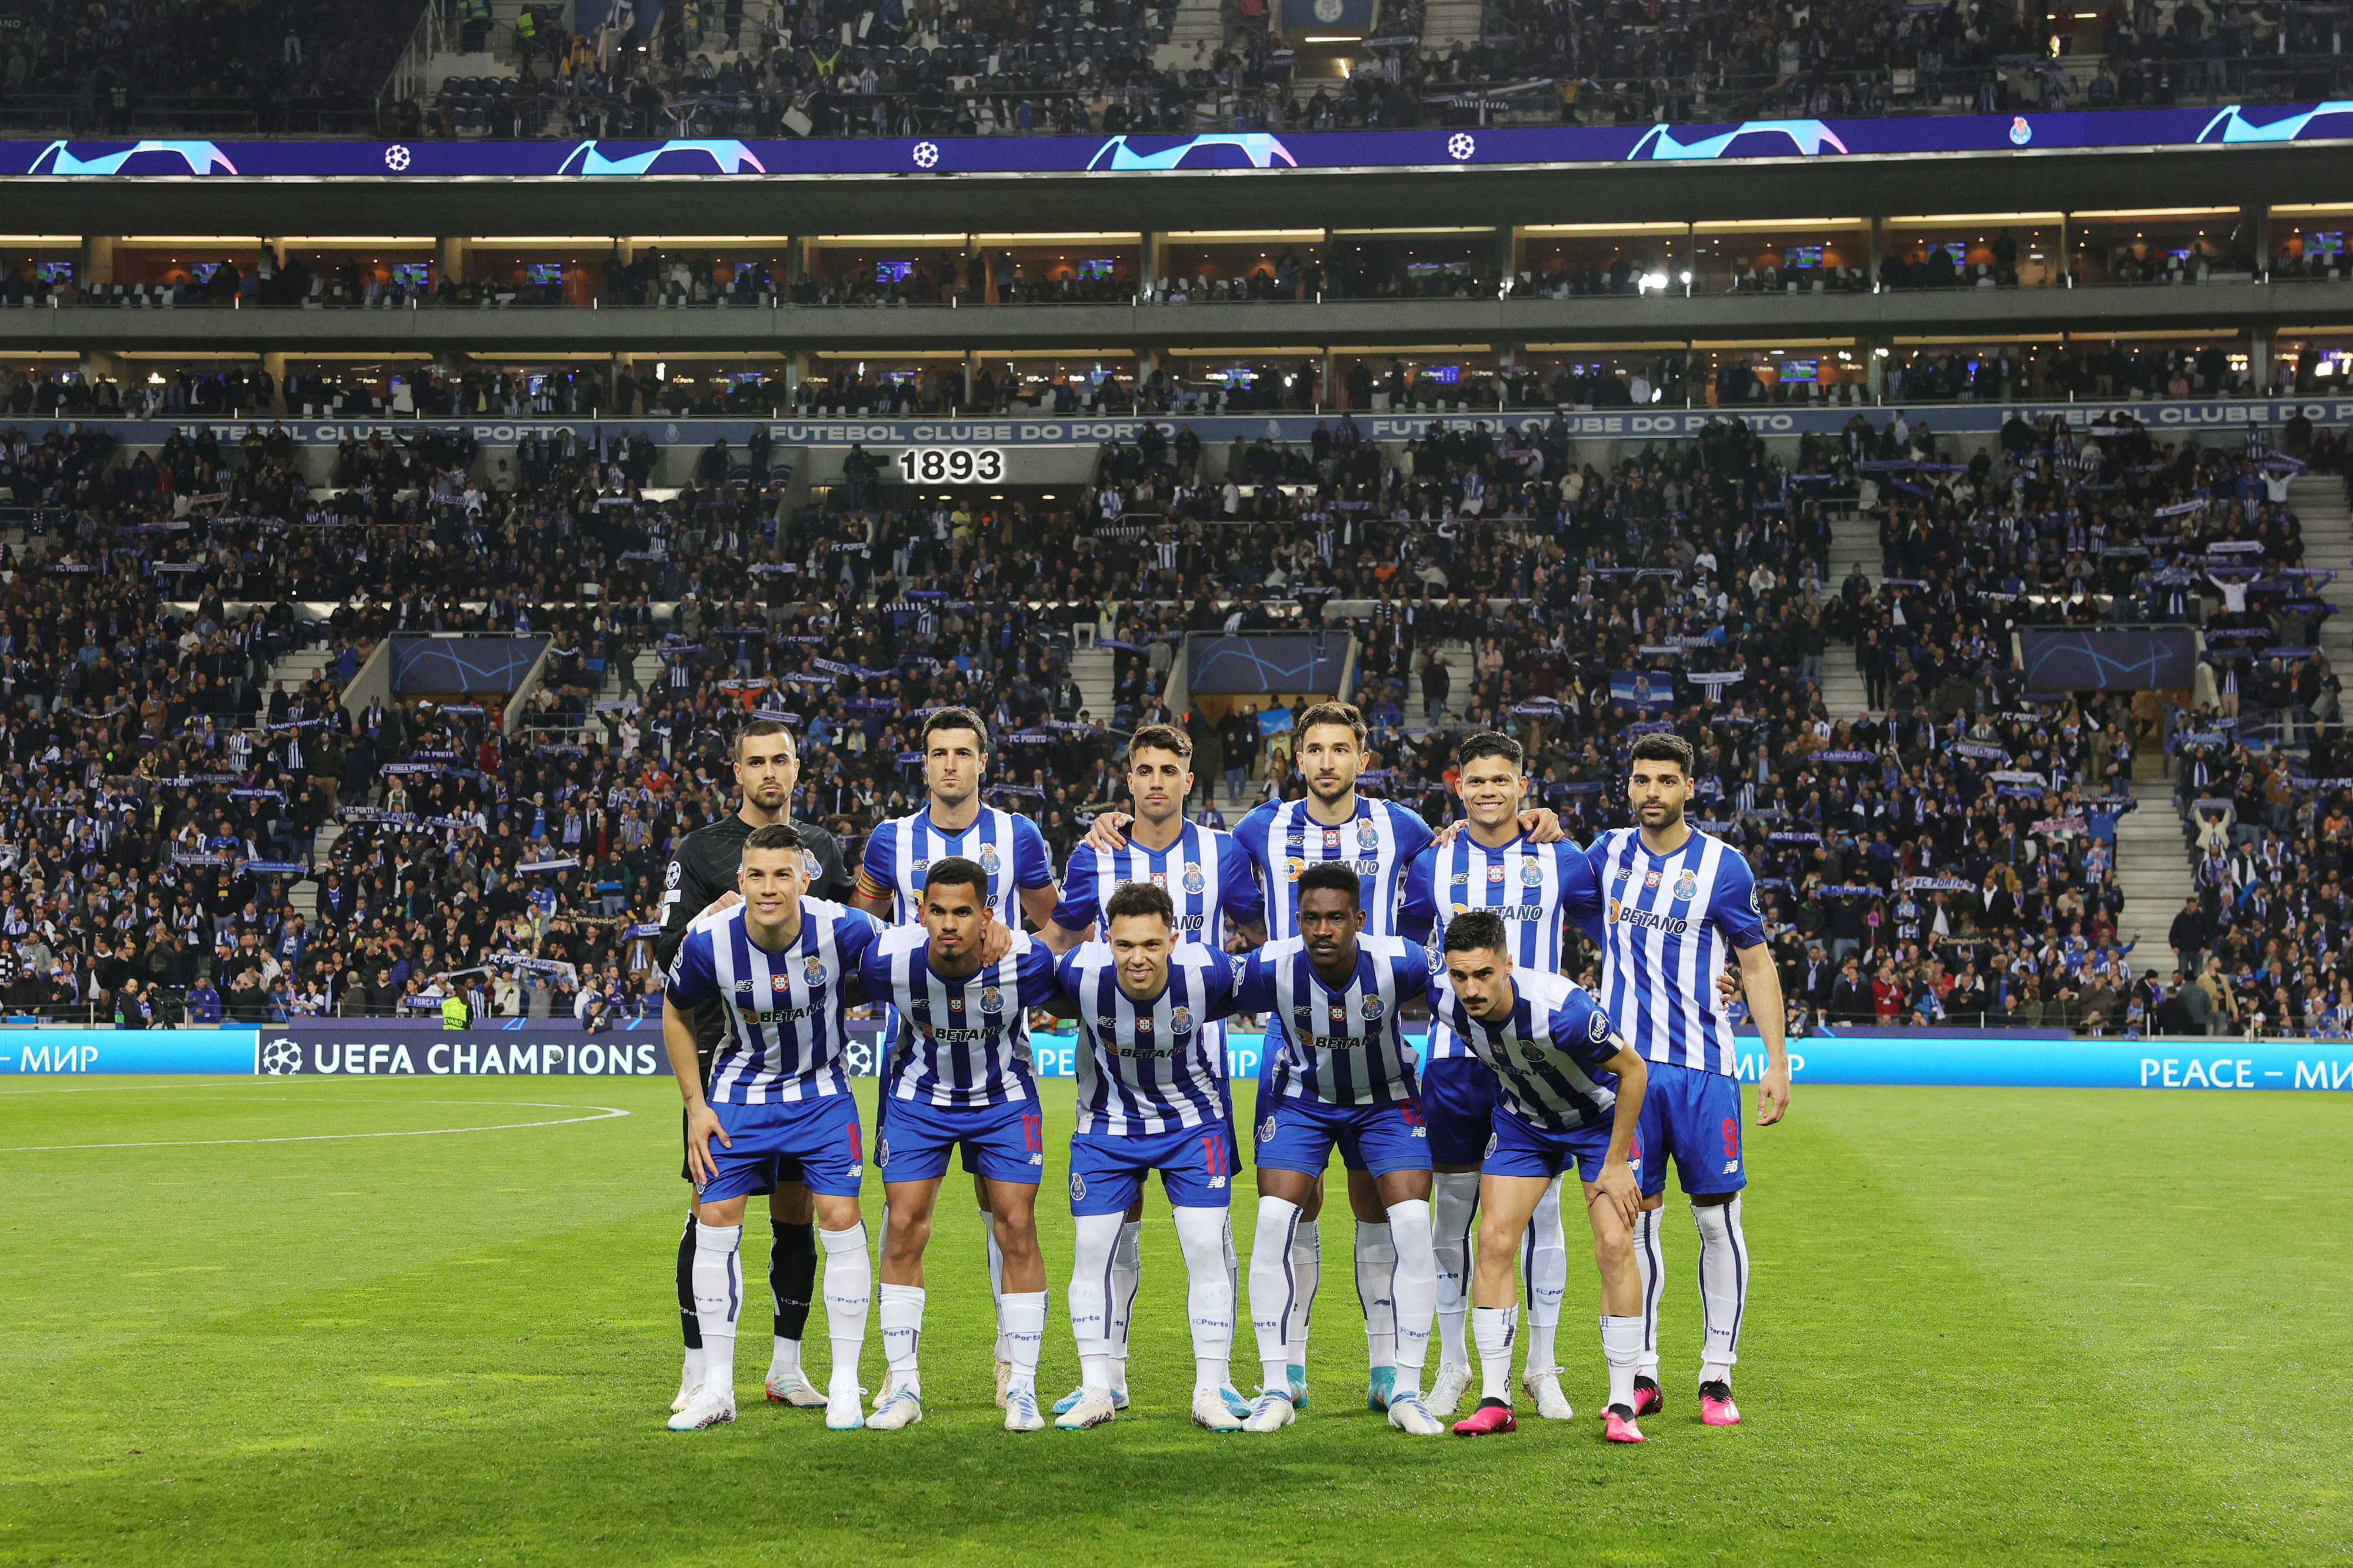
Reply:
x=1316, y=791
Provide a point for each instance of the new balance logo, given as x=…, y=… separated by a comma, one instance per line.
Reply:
x=1731, y=1166
x=1217, y=1183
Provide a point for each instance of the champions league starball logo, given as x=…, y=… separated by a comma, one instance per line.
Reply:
x=726, y=157
x=1262, y=150
x=196, y=157
x=1808, y=137
x=280, y=1057
x=2235, y=129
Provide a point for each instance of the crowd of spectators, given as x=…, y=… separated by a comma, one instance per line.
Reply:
x=850, y=67
x=1947, y=856
x=119, y=68
x=1065, y=68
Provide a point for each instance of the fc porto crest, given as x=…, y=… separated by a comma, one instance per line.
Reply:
x=1372, y=1007
x=1531, y=874
x=989, y=861
x=1368, y=836
x=1687, y=885
x=1180, y=1021
x=1266, y=1130
x=1194, y=881
x=992, y=1000
x=813, y=971
x=1078, y=1188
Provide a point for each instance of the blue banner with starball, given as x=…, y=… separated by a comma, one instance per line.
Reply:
x=541, y=1047
x=2231, y=125
x=43, y=1052
x=2038, y=1060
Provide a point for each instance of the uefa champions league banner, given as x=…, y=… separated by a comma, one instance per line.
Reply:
x=2037, y=1060
x=412, y=1047
x=51, y=1051
x=399, y=162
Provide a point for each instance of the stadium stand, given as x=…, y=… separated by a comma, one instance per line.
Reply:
x=197, y=825
x=828, y=67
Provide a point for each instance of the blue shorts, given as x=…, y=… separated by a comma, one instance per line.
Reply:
x=1294, y=1134
x=1518, y=1147
x=1694, y=1118
x=817, y=1138
x=1458, y=1098
x=782, y=1172
x=1108, y=1170
x=968, y=1156
x=1003, y=1143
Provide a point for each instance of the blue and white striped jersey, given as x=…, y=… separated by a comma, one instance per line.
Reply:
x=901, y=852
x=1205, y=874
x=1379, y=841
x=784, y=1037
x=1155, y=1065
x=1670, y=923
x=1547, y=1055
x=962, y=1043
x=1527, y=885
x=1340, y=1046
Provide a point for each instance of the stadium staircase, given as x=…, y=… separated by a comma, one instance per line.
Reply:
x=1093, y=668
x=1196, y=22
x=2326, y=522
x=1855, y=542
x=294, y=667
x=2152, y=869
x=1448, y=22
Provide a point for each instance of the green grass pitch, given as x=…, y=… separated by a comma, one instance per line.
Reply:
x=2012, y=1327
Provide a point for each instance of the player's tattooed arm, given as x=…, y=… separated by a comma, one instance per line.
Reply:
x=1245, y=936
x=1107, y=831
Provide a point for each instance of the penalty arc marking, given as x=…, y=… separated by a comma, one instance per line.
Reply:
x=604, y=1113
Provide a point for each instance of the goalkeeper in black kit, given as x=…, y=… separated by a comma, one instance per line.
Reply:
x=701, y=879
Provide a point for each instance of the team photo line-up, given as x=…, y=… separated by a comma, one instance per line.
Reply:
x=1329, y=916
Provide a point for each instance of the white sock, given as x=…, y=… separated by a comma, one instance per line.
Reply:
x=1306, y=1273
x=903, y=1334
x=1126, y=1276
x=1544, y=1255
x=1491, y=1330
x=1205, y=1239
x=1414, y=1293
x=996, y=1282
x=718, y=1300
x=849, y=1300
x=1454, y=1209
x=1377, y=1262
x=1025, y=1335
x=784, y=1361
x=1621, y=1347
x=1273, y=1286
x=1723, y=1285
x=1091, y=1268
x=1648, y=1263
